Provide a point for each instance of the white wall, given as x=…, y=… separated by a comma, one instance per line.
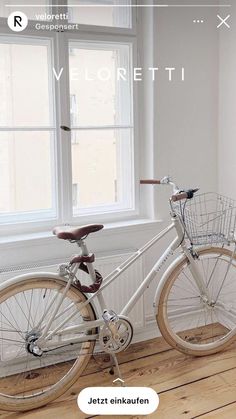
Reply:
x=186, y=113
x=184, y=122
x=227, y=106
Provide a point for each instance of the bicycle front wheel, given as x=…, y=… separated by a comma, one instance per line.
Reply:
x=30, y=377
x=189, y=321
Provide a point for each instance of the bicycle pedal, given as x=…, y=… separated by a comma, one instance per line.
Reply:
x=109, y=316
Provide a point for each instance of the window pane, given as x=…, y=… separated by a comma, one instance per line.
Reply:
x=101, y=13
x=100, y=85
x=30, y=11
x=26, y=162
x=101, y=161
x=24, y=85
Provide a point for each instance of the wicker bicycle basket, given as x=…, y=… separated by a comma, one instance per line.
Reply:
x=207, y=218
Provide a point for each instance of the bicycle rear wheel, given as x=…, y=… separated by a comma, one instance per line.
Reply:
x=188, y=321
x=29, y=380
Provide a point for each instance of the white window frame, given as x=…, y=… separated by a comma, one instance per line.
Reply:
x=31, y=219
x=128, y=204
x=61, y=97
x=73, y=137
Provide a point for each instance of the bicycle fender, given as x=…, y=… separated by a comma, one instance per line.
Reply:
x=163, y=280
x=50, y=275
x=26, y=277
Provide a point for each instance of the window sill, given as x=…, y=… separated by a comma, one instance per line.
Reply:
x=38, y=238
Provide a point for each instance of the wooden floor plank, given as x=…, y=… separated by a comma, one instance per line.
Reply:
x=200, y=397
x=193, y=400
x=188, y=386
x=163, y=371
x=136, y=351
x=69, y=410
x=226, y=412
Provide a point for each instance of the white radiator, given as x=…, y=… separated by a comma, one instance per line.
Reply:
x=116, y=294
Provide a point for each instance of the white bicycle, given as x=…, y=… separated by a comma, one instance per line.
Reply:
x=49, y=323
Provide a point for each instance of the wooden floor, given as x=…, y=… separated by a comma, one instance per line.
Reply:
x=188, y=387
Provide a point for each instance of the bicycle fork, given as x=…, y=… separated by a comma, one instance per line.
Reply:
x=197, y=276
x=203, y=290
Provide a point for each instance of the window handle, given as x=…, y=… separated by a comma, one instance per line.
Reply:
x=65, y=128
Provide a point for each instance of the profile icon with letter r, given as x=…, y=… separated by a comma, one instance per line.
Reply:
x=17, y=21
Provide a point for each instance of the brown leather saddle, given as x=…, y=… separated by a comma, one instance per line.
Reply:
x=77, y=233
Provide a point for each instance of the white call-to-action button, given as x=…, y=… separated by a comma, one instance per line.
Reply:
x=118, y=400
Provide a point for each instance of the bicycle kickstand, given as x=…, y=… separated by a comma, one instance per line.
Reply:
x=113, y=358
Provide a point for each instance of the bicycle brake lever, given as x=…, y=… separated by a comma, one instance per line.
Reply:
x=190, y=192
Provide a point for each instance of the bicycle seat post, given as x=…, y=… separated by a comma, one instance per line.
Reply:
x=81, y=243
x=84, y=252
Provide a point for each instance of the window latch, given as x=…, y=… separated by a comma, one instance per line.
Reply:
x=65, y=128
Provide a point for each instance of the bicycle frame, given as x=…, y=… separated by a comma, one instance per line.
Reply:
x=178, y=241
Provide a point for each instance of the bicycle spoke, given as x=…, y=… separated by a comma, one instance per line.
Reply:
x=199, y=321
x=21, y=315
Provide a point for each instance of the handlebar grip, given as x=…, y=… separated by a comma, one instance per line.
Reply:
x=179, y=196
x=150, y=182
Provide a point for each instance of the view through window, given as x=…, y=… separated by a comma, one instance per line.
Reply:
x=98, y=159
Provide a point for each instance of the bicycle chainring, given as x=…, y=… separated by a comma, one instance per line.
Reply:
x=116, y=336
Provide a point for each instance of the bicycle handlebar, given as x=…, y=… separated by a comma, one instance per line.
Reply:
x=150, y=182
x=178, y=194
x=166, y=180
x=184, y=195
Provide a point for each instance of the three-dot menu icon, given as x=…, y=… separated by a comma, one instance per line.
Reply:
x=198, y=21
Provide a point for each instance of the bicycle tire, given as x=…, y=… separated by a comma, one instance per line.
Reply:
x=62, y=366
x=206, y=338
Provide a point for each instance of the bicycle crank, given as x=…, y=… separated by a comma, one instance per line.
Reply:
x=116, y=334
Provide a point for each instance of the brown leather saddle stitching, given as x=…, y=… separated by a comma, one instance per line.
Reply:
x=90, y=288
